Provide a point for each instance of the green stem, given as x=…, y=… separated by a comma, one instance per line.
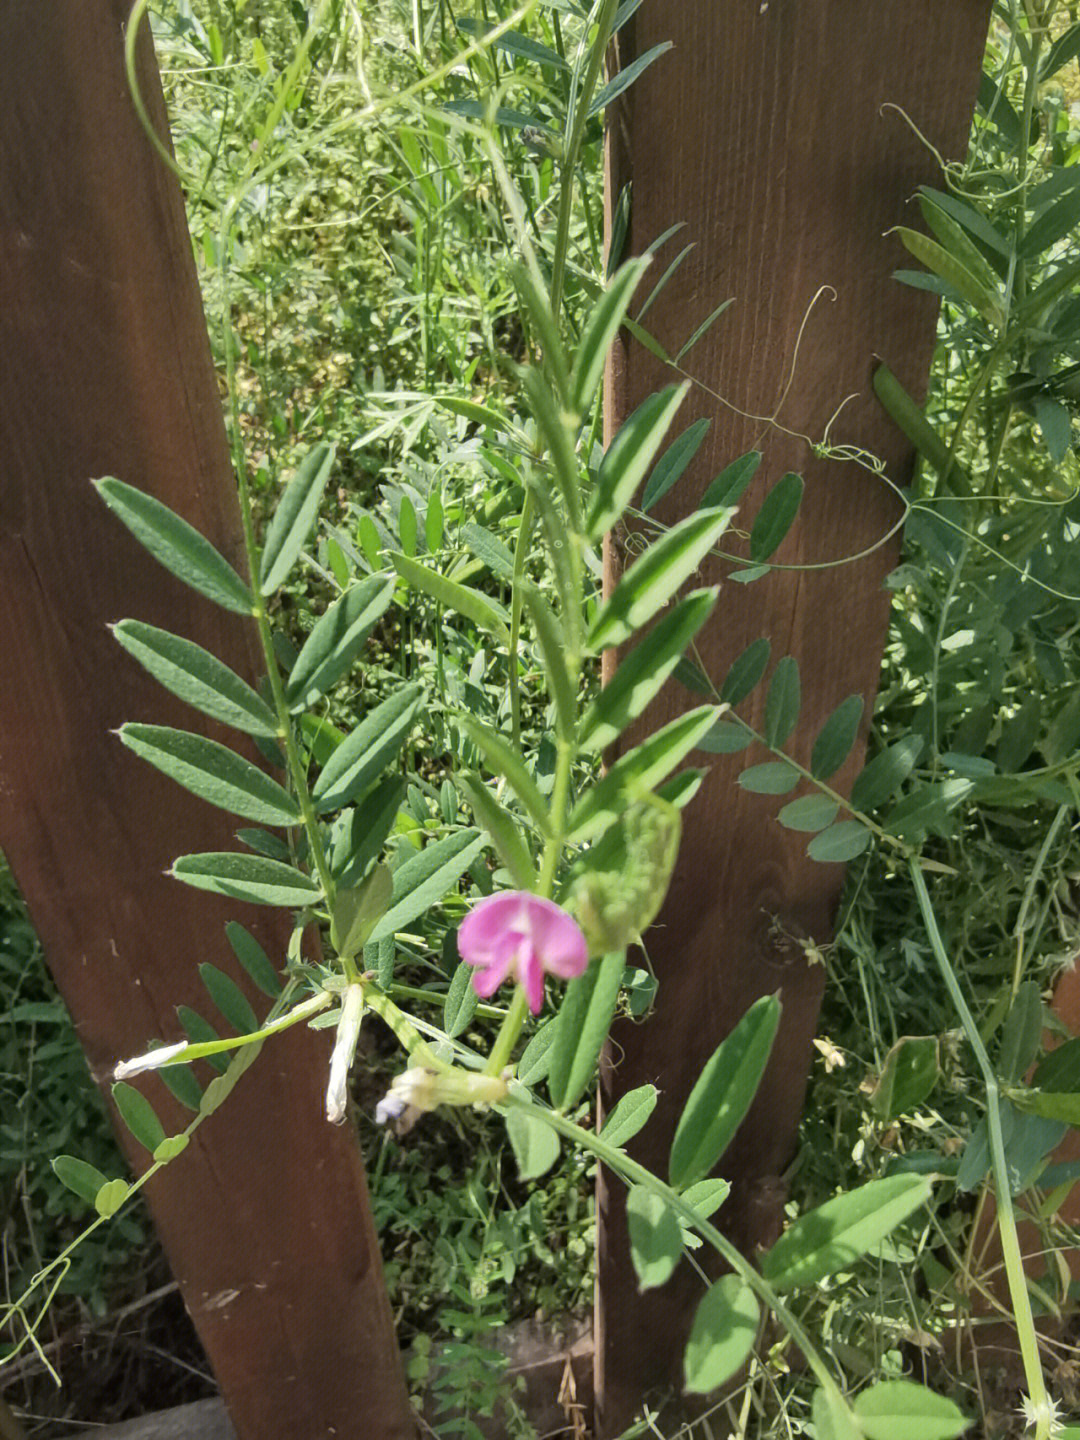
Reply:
x=629, y=1170
x=568, y=163
x=521, y=555
x=508, y=1034
x=200, y=1051
x=560, y=794
x=1010, y=1244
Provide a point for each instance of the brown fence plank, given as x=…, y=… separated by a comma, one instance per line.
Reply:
x=106, y=370
x=763, y=129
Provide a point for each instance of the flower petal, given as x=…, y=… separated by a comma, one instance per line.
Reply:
x=558, y=939
x=481, y=935
x=490, y=974
x=530, y=974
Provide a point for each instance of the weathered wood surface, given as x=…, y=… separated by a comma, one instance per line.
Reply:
x=107, y=370
x=764, y=130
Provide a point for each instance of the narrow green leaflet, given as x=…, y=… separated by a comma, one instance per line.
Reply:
x=552, y=643
x=732, y=481
x=213, y=772
x=198, y=677
x=957, y=241
x=629, y=456
x=535, y=1145
x=200, y=1032
x=583, y=1022
x=902, y=1410
x=746, y=672
x=834, y=1235
x=229, y=999
x=366, y=828
x=782, y=702
x=639, y=772
x=643, y=670
x=294, y=517
x=812, y=812
x=176, y=545
x=722, y=1094
x=407, y=525
x=707, y=1196
x=625, y=78
x=504, y=830
x=973, y=221
x=773, y=778
x=503, y=759
x=1054, y=224
x=514, y=43
x=336, y=640
x=705, y=325
x=79, y=1177
x=423, y=881
x=1065, y=48
x=368, y=750
x=488, y=549
x=936, y=258
x=461, y=1001
x=533, y=292
x=722, y=1335
x=654, y=577
x=536, y=1057
x=434, y=522
x=357, y=909
x=726, y=738
x=918, y=429
x=776, y=517
x=253, y=958
x=839, y=842
x=138, y=1115
x=884, y=775
x=836, y=737
x=674, y=461
x=629, y=1115
x=180, y=1082
x=655, y=1237
x=478, y=608
x=908, y=1076
x=658, y=288
x=1022, y=1033
x=246, y=877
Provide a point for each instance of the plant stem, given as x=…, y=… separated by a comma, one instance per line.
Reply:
x=1010, y=1244
x=568, y=163
x=521, y=555
x=508, y=1034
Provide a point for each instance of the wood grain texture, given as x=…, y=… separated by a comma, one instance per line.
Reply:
x=107, y=370
x=766, y=130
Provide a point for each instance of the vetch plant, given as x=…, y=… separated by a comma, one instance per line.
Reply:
x=583, y=861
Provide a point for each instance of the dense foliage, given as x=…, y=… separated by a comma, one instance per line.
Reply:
x=361, y=267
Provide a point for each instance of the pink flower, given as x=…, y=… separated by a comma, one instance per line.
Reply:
x=514, y=935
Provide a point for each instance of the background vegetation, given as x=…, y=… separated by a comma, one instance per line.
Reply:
x=369, y=275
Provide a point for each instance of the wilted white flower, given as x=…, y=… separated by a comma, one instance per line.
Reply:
x=348, y=1032
x=153, y=1060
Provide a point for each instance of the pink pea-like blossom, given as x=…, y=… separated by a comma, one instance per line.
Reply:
x=518, y=936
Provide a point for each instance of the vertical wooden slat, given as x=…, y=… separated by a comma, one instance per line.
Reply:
x=765, y=129
x=106, y=369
